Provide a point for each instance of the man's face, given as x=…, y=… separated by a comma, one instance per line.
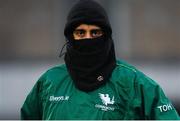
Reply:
x=85, y=31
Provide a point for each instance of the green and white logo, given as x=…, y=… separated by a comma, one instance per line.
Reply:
x=106, y=100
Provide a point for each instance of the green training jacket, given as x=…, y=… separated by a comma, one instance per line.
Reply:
x=129, y=94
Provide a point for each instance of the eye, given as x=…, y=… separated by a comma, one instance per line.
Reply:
x=96, y=33
x=79, y=33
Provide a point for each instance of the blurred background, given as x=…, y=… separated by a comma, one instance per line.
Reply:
x=146, y=34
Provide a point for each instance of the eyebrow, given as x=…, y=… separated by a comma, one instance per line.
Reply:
x=79, y=30
x=96, y=30
x=85, y=30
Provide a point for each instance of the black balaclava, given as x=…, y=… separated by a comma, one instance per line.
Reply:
x=90, y=62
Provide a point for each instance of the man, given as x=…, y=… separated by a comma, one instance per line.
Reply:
x=92, y=84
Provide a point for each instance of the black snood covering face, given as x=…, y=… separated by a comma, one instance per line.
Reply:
x=90, y=62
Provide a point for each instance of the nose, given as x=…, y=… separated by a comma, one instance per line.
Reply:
x=88, y=35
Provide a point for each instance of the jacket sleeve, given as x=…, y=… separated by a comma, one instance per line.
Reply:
x=154, y=103
x=162, y=108
x=32, y=107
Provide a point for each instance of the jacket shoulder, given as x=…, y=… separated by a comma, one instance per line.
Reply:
x=61, y=67
x=54, y=73
x=123, y=75
x=130, y=75
x=124, y=70
x=140, y=76
x=126, y=66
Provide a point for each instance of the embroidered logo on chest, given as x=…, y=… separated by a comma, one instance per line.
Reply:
x=107, y=101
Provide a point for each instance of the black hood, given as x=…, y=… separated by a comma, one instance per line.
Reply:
x=90, y=61
x=87, y=12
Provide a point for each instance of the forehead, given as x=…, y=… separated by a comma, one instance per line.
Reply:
x=87, y=26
